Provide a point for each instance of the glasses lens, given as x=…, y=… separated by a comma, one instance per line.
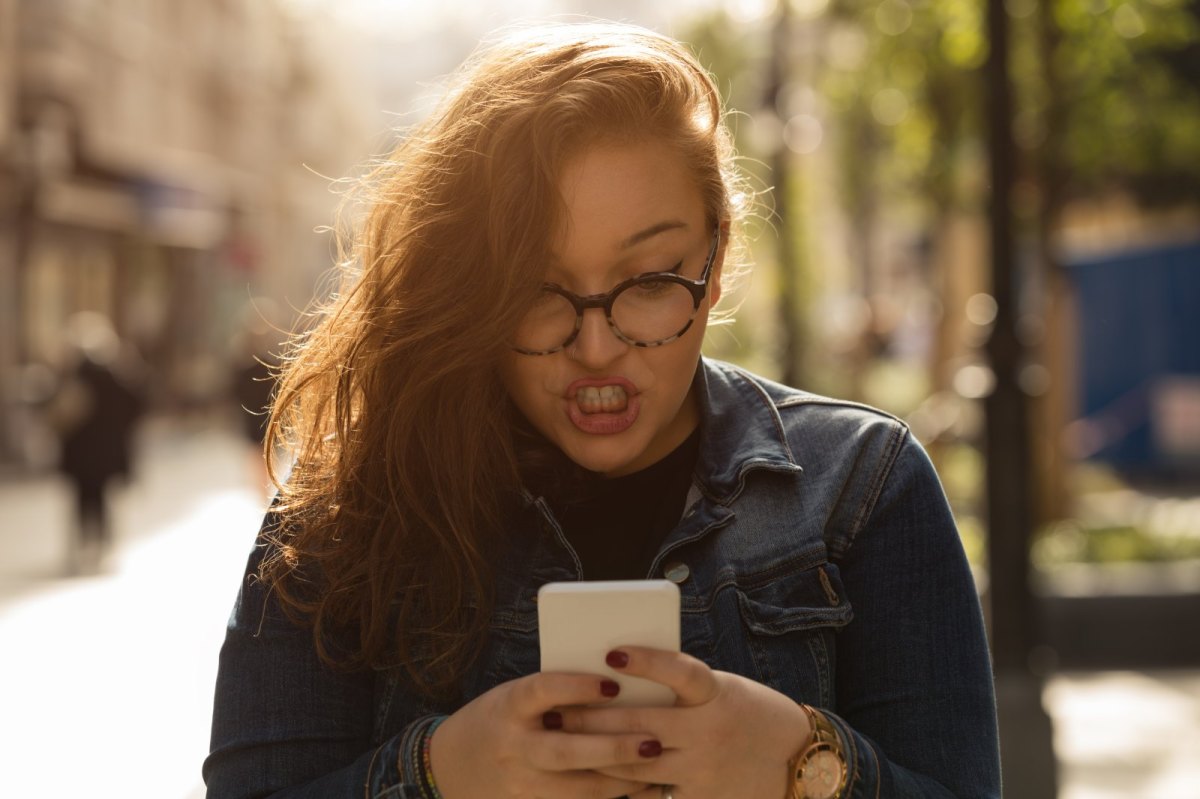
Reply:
x=548, y=323
x=653, y=310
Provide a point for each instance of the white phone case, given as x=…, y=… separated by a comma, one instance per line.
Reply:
x=580, y=622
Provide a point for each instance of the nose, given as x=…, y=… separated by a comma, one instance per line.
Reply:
x=597, y=343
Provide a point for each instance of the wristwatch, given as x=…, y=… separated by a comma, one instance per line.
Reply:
x=818, y=771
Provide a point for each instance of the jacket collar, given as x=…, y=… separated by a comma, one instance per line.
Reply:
x=741, y=430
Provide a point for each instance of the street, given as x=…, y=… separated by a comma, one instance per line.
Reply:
x=108, y=679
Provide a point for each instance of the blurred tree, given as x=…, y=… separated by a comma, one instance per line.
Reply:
x=788, y=261
x=1107, y=101
x=1120, y=79
x=756, y=72
x=903, y=83
x=1107, y=106
x=1124, y=79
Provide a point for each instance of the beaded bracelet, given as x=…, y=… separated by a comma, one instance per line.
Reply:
x=426, y=780
x=414, y=755
x=408, y=760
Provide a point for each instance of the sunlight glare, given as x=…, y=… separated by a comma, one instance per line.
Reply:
x=746, y=11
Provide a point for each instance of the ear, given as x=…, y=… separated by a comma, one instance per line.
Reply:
x=714, y=280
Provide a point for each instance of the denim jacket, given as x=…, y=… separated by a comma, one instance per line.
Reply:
x=816, y=555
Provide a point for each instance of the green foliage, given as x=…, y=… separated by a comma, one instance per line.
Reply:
x=1107, y=94
x=913, y=98
x=721, y=46
x=1129, y=119
x=1106, y=98
x=1108, y=72
x=1073, y=541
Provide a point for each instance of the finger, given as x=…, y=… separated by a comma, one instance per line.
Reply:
x=535, y=694
x=558, y=752
x=692, y=680
x=585, y=785
x=615, y=720
x=651, y=792
x=669, y=769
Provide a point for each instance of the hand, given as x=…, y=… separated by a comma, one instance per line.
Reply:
x=727, y=737
x=498, y=746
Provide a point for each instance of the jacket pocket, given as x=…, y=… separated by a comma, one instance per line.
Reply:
x=790, y=622
x=804, y=600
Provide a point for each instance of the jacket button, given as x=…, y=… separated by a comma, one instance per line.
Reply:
x=676, y=571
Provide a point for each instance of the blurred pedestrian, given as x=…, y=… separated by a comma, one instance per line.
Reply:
x=94, y=413
x=508, y=390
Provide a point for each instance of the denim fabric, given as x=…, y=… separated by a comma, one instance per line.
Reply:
x=823, y=561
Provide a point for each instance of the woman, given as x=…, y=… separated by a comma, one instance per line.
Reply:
x=509, y=391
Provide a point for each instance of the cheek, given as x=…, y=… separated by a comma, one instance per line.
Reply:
x=690, y=358
x=676, y=365
x=520, y=376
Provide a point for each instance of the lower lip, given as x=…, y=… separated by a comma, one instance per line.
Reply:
x=604, y=424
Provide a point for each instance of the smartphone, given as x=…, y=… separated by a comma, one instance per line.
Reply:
x=581, y=622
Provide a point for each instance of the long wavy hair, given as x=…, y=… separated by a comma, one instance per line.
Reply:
x=405, y=464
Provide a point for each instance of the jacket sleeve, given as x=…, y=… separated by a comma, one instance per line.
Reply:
x=915, y=700
x=287, y=726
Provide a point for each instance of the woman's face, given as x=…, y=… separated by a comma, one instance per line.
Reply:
x=610, y=406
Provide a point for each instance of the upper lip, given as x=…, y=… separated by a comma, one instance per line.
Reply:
x=586, y=382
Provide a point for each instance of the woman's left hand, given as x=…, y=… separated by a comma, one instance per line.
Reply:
x=727, y=737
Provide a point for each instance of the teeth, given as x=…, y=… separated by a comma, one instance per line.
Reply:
x=601, y=399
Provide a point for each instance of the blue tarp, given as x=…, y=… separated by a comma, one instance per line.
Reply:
x=1138, y=331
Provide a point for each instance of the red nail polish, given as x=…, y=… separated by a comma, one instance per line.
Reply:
x=649, y=749
x=609, y=688
x=617, y=659
x=552, y=720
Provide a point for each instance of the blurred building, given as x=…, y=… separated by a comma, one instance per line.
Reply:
x=160, y=163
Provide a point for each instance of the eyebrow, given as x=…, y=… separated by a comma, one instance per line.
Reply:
x=651, y=232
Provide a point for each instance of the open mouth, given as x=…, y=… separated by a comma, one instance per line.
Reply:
x=603, y=406
x=602, y=399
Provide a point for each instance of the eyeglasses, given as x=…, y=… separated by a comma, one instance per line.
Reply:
x=645, y=311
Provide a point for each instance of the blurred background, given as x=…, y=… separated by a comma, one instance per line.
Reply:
x=981, y=216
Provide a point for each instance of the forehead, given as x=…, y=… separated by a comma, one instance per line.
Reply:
x=611, y=191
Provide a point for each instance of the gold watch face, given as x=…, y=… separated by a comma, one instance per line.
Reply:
x=822, y=773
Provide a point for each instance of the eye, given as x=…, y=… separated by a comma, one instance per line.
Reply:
x=674, y=270
x=547, y=304
x=654, y=288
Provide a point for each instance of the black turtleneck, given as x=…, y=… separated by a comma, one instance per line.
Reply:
x=617, y=524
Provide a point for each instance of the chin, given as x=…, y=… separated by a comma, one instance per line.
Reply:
x=602, y=456
x=599, y=464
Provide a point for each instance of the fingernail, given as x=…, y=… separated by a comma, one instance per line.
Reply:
x=617, y=659
x=552, y=720
x=609, y=688
x=649, y=749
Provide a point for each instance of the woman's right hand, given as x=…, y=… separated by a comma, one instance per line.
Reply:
x=505, y=745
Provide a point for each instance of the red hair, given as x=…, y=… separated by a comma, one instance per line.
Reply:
x=405, y=467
